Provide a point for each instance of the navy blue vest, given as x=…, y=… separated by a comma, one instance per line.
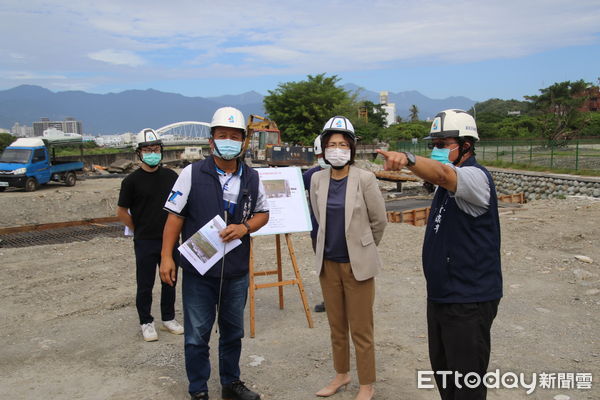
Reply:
x=461, y=253
x=206, y=201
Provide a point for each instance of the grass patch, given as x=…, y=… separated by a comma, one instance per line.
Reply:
x=66, y=152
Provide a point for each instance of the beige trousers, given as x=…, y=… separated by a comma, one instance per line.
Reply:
x=349, y=305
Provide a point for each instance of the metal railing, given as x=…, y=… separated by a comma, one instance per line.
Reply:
x=574, y=154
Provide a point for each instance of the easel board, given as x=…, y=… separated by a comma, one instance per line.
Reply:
x=288, y=207
x=280, y=283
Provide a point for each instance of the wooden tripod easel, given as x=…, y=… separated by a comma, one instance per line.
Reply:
x=280, y=283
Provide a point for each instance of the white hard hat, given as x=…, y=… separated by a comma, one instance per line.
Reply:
x=453, y=123
x=228, y=117
x=147, y=137
x=317, y=146
x=339, y=124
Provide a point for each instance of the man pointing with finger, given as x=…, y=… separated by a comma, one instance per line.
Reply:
x=221, y=184
x=461, y=252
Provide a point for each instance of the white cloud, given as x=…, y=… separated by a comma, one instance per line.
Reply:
x=30, y=76
x=117, y=57
x=272, y=37
x=268, y=53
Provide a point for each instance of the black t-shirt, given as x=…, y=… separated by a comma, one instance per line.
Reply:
x=144, y=194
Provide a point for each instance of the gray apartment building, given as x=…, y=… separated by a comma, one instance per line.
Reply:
x=69, y=125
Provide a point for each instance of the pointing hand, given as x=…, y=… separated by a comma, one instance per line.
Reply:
x=394, y=161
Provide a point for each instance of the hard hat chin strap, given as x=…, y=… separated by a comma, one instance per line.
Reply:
x=462, y=151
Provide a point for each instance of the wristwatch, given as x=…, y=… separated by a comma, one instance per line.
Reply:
x=410, y=157
x=247, y=225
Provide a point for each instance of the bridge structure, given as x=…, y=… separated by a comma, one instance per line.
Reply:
x=185, y=133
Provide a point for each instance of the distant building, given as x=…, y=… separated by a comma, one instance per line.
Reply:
x=128, y=138
x=389, y=108
x=513, y=113
x=19, y=130
x=69, y=125
x=56, y=133
x=109, y=141
x=123, y=140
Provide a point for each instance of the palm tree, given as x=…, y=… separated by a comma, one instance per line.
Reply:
x=414, y=113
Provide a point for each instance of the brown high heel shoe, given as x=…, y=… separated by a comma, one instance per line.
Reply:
x=332, y=389
x=362, y=395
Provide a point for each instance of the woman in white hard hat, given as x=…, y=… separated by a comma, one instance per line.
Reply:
x=350, y=211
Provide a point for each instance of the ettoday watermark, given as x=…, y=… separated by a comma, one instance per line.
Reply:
x=507, y=380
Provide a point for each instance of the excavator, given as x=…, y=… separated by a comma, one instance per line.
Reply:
x=263, y=144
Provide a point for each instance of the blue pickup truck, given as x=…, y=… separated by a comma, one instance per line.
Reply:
x=30, y=162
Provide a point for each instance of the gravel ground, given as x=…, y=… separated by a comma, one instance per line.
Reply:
x=70, y=330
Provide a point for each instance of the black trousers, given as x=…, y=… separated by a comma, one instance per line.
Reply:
x=459, y=341
x=147, y=259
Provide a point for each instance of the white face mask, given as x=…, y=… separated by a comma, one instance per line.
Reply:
x=337, y=157
x=322, y=163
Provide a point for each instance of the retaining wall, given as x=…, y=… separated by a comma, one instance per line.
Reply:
x=539, y=185
x=106, y=159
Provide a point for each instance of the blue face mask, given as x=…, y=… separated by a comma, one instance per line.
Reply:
x=152, y=159
x=227, y=148
x=322, y=163
x=441, y=155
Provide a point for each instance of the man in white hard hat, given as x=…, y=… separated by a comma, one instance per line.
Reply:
x=461, y=253
x=217, y=185
x=306, y=177
x=140, y=208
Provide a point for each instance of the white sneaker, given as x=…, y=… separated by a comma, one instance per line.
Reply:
x=149, y=332
x=173, y=326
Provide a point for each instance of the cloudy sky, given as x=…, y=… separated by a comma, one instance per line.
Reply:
x=479, y=49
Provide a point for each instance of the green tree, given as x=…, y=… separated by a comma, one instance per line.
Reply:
x=593, y=126
x=508, y=127
x=5, y=140
x=499, y=107
x=371, y=129
x=558, y=106
x=406, y=131
x=300, y=109
x=367, y=132
x=377, y=115
x=517, y=127
x=414, y=113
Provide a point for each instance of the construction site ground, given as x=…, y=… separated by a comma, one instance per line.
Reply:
x=69, y=327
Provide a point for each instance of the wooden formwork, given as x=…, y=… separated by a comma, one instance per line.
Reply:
x=397, y=176
x=419, y=216
x=512, y=198
x=416, y=217
x=56, y=225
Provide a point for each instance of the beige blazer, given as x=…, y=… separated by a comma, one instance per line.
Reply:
x=365, y=219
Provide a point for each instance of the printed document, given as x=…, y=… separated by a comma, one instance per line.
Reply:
x=205, y=247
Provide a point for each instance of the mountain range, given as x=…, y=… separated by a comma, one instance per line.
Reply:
x=133, y=110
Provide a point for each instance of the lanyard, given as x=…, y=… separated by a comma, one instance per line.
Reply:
x=227, y=204
x=226, y=184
